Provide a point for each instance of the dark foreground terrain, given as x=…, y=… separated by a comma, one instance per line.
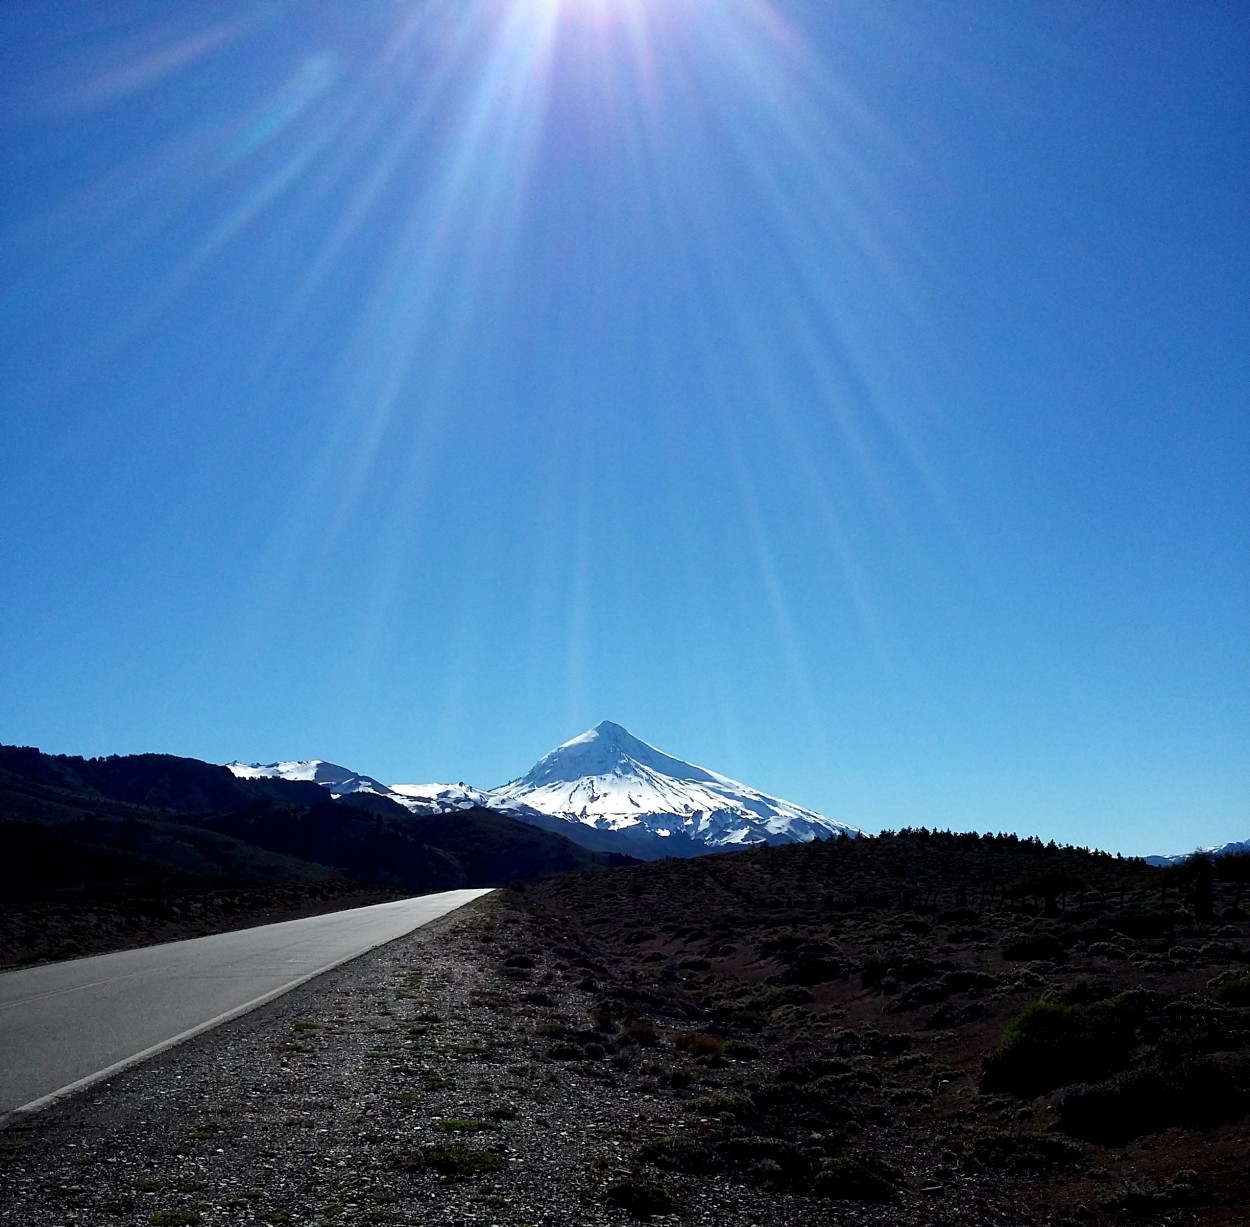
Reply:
x=923, y=1030
x=920, y=1021
x=100, y=854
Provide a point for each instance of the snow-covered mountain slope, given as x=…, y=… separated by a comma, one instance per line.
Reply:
x=418, y=798
x=438, y=798
x=1232, y=849
x=338, y=780
x=314, y=770
x=609, y=781
x=605, y=790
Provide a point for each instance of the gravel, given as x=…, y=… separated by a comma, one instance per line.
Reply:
x=411, y=1086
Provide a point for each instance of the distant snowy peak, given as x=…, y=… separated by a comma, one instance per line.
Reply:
x=308, y=770
x=438, y=798
x=610, y=750
x=1238, y=847
x=605, y=789
x=338, y=780
x=610, y=780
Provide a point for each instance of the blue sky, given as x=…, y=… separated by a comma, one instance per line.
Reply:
x=849, y=397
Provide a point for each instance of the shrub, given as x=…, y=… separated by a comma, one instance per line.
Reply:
x=722, y=1104
x=642, y=1196
x=1146, y=924
x=1022, y=1150
x=699, y=1044
x=816, y=967
x=680, y=1153
x=751, y=1004
x=1231, y=987
x=767, y=1159
x=866, y=1040
x=966, y=980
x=1049, y=1044
x=857, y=1179
x=1108, y=950
x=1195, y=1025
x=874, y=969
x=455, y=1161
x=1030, y=947
x=1150, y=1099
x=641, y=1031
x=953, y=1015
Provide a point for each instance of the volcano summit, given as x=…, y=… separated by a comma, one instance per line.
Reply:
x=608, y=782
x=606, y=790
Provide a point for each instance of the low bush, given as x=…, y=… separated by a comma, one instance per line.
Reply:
x=966, y=980
x=1194, y=1025
x=1151, y=1098
x=1050, y=1044
x=455, y=1161
x=679, y=1152
x=1231, y=987
x=852, y=1178
x=642, y=1196
x=767, y=1160
x=1033, y=947
x=1022, y=1150
x=723, y=1104
x=1146, y=923
x=641, y=1031
x=816, y=967
x=1107, y=950
x=866, y=1040
x=874, y=968
x=751, y=1005
x=699, y=1044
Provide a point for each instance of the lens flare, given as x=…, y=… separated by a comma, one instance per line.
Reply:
x=420, y=175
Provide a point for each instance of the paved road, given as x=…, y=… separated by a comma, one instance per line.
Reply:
x=65, y=1025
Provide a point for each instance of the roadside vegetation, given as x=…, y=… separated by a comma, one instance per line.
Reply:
x=877, y=1021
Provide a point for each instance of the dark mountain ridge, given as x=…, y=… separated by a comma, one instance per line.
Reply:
x=159, y=781
x=82, y=839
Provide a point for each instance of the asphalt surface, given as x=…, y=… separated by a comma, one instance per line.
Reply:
x=66, y=1025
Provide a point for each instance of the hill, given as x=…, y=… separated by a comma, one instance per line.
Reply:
x=98, y=854
x=939, y=1024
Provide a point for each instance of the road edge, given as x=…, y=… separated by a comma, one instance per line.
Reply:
x=37, y=1105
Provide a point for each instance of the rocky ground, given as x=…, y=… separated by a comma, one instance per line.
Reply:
x=700, y=1044
x=422, y=1083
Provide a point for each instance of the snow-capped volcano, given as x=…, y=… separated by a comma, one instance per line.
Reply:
x=605, y=790
x=608, y=780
